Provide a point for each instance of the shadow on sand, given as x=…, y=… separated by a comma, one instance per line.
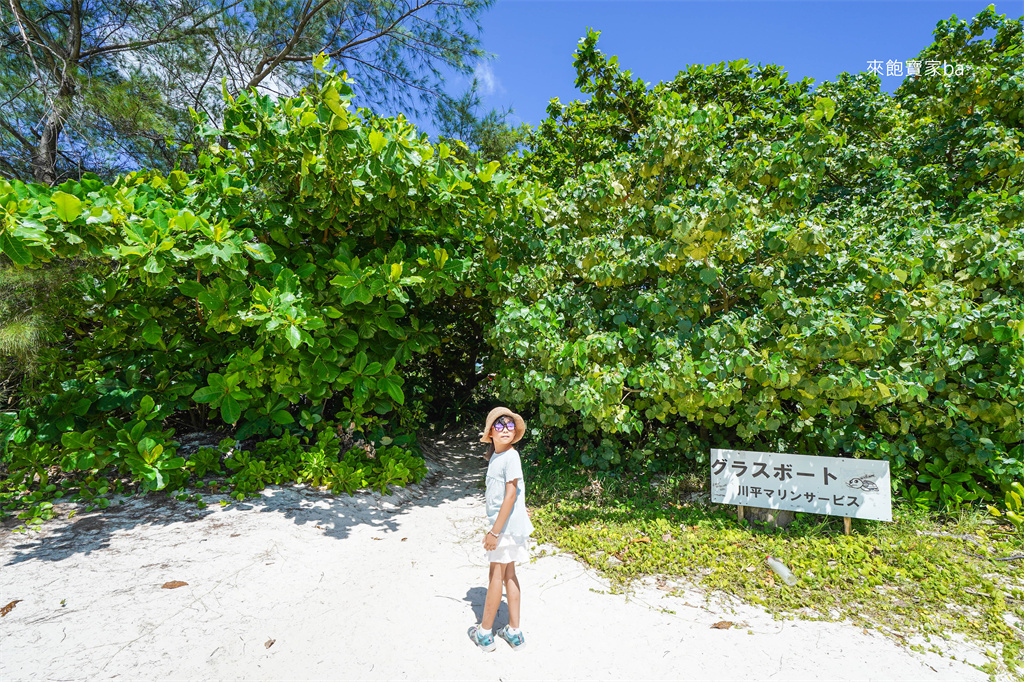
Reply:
x=455, y=469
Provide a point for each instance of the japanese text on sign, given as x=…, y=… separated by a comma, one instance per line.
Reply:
x=838, y=486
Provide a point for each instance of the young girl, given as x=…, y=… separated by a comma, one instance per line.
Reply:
x=508, y=540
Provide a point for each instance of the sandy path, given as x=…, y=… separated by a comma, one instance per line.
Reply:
x=367, y=587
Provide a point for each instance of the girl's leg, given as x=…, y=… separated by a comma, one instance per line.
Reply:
x=493, y=600
x=513, y=593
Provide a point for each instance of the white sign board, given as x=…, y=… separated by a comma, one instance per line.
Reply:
x=838, y=486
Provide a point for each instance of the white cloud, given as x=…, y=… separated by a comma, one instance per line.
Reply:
x=489, y=83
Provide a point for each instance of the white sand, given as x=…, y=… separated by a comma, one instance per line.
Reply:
x=366, y=587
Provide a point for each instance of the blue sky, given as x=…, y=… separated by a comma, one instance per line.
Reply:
x=534, y=40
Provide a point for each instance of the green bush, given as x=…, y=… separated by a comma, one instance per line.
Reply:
x=288, y=281
x=733, y=260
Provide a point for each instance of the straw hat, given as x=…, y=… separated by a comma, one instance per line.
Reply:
x=492, y=417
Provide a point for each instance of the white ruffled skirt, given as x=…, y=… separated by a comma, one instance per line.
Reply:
x=511, y=548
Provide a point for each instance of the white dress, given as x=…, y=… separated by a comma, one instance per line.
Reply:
x=514, y=541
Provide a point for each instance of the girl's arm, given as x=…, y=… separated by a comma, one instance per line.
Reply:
x=506, y=506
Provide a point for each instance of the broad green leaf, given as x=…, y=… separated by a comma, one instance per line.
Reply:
x=348, y=338
x=261, y=252
x=77, y=441
x=178, y=180
x=146, y=406
x=66, y=206
x=487, y=171
x=230, y=410
x=376, y=141
x=137, y=311
x=207, y=394
x=320, y=369
x=333, y=100
x=81, y=407
x=13, y=249
x=152, y=332
x=393, y=390
x=293, y=336
x=359, y=364
x=282, y=417
x=190, y=288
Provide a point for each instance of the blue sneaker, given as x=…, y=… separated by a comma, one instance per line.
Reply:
x=516, y=641
x=485, y=642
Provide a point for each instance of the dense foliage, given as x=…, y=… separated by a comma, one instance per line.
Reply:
x=291, y=278
x=736, y=260
x=724, y=259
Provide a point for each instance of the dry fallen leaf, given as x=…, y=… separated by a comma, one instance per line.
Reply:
x=771, y=580
x=723, y=625
x=640, y=540
x=404, y=539
x=173, y=584
x=378, y=538
x=749, y=569
x=7, y=609
x=269, y=643
x=667, y=537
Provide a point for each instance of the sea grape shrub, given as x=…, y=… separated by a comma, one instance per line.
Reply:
x=734, y=260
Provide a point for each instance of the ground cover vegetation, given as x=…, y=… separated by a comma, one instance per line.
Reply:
x=920, y=580
x=727, y=259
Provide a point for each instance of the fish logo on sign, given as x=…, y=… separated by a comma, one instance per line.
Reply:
x=865, y=483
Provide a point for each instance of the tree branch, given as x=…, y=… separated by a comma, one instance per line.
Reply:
x=12, y=171
x=393, y=75
x=197, y=28
x=15, y=95
x=14, y=131
x=19, y=17
x=125, y=47
x=41, y=38
x=356, y=43
x=206, y=80
x=75, y=31
x=265, y=68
